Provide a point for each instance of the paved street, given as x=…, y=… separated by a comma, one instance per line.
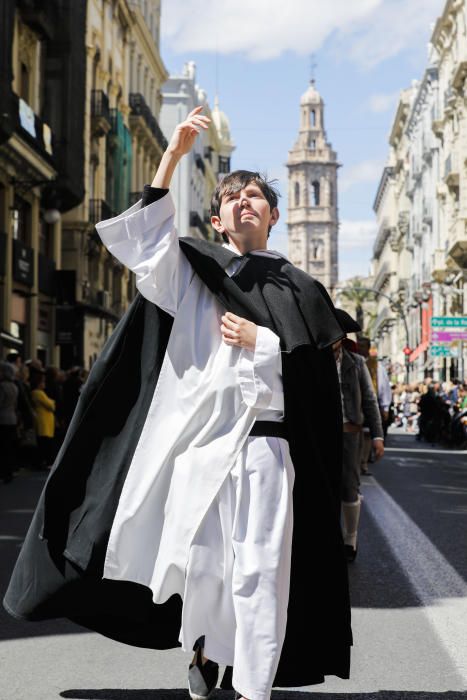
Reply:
x=409, y=594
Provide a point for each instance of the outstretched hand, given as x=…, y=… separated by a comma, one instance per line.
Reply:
x=186, y=132
x=238, y=331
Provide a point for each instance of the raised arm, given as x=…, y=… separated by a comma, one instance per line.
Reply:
x=181, y=143
x=144, y=238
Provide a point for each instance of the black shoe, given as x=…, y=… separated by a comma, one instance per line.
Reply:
x=202, y=678
x=350, y=553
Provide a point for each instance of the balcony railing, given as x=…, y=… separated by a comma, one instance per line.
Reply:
x=99, y=210
x=100, y=113
x=100, y=104
x=139, y=108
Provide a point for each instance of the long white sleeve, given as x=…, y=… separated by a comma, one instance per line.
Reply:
x=260, y=372
x=146, y=241
x=384, y=388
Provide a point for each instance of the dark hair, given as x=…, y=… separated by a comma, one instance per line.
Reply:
x=13, y=357
x=236, y=181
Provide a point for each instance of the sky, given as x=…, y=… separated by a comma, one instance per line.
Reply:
x=257, y=58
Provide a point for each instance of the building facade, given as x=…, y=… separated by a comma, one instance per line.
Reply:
x=79, y=136
x=42, y=87
x=198, y=173
x=312, y=198
x=420, y=253
x=123, y=145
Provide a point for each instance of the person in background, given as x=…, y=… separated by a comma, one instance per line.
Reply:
x=70, y=394
x=8, y=420
x=382, y=388
x=45, y=419
x=359, y=408
x=27, y=441
x=54, y=390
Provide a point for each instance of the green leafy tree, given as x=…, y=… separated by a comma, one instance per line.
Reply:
x=357, y=295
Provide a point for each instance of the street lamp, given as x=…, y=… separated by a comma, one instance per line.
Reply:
x=395, y=305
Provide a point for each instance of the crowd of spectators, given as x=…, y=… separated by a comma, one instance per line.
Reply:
x=435, y=411
x=36, y=407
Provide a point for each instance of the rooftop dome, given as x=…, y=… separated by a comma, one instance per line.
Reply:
x=221, y=122
x=311, y=96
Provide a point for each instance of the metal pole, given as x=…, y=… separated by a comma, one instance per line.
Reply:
x=397, y=306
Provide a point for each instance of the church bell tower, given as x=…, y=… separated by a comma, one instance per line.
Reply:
x=312, y=205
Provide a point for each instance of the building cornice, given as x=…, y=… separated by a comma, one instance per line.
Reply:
x=400, y=119
x=444, y=26
x=146, y=40
x=430, y=76
x=386, y=176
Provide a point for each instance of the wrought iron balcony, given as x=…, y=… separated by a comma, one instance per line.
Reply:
x=100, y=104
x=139, y=108
x=99, y=210
x=100, y=113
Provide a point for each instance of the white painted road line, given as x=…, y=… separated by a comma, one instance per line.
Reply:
x=441, y=590
x=425, y=451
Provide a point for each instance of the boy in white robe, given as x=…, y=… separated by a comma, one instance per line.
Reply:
x=236, y=584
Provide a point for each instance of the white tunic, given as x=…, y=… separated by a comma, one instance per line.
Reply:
x=207, y=398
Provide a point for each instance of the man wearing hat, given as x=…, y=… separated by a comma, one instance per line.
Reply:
x=359, y=408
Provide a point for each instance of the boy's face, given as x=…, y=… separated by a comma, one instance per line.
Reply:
x=245, y=217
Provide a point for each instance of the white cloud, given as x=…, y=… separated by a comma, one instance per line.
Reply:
x=394, y=26
x=357, y=234
x=367, y=171
x=383, y=102
x=367, y=31
x=263, y=30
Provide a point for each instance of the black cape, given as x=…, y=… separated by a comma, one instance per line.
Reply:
x=59, y=569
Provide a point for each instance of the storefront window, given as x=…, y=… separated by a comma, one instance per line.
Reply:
x=21, y=214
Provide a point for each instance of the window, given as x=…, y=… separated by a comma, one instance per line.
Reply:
x=297, y=194
x=311, y=143
x=315, y=250
x=24, y=86
x=312, y=118
x=224, y=164
x=46, y=239
x=21, y=215
x=331, y=195
x=315, y=194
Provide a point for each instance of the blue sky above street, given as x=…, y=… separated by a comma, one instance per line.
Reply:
x=256, y=57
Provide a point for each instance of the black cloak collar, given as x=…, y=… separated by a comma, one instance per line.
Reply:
x=269, y=291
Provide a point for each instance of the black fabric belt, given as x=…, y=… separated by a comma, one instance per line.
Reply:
x=269, y=428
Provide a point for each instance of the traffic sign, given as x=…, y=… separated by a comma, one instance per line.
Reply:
x=444, y=351
x=449, y=322
x=448, y=335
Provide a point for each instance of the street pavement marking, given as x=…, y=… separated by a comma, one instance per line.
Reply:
x=440, y=589
x=425, y=451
